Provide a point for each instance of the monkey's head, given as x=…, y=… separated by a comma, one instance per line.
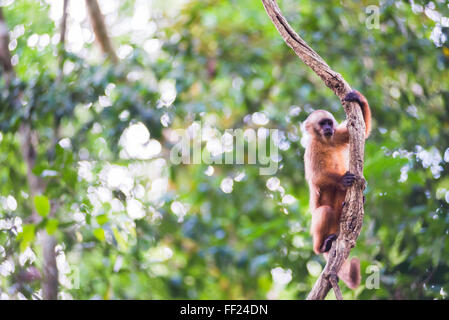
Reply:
x=321, y=123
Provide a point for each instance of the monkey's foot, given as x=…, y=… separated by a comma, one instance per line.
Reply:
x=327, y=243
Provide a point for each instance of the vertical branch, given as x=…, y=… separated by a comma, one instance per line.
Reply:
x=28, y=144
x=63, y=25
x=5, y=55
x=50, y=267
x=352, y=215
x=61, y=60
x=99, y=27
x=63, y=31
x=50, y=281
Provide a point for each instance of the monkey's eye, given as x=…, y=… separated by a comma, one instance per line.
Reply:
x=324, y=122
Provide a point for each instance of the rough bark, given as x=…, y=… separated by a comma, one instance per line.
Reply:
x=352, y=215
x=100, y=30
x=28, y=142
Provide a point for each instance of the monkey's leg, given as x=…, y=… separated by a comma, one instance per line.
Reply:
x=324, y=228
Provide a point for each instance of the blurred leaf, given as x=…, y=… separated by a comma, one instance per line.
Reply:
x=26, y=236
x=51, y=226
x=102, y=219
x=99, y=234
x=42, y=205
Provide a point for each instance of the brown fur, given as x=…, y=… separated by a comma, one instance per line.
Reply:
x=326, y=161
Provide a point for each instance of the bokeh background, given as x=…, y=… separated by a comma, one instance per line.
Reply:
x=92, y=208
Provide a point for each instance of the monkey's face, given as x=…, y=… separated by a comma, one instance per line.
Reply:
x=326, y=127
x=321, y=124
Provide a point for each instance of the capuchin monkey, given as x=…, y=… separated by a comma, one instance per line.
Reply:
x=326, y=167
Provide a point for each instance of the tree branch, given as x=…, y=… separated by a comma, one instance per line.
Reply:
x=352, y=215
x=333, y=278
x=5, y=55
x=63, y=29
x=99, y=27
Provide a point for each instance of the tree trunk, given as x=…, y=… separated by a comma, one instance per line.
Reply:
x=29, y=140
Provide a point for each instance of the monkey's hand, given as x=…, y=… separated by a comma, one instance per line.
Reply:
x=354, y=96
x=348, y=179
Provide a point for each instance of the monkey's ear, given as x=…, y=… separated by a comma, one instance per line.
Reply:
x=302, y=127
x=307, y=125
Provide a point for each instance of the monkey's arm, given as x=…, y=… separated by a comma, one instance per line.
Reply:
x=342, y=134
x=328, y=181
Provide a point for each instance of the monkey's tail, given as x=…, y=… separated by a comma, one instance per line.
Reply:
x=356, y=96
x=350, y=273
